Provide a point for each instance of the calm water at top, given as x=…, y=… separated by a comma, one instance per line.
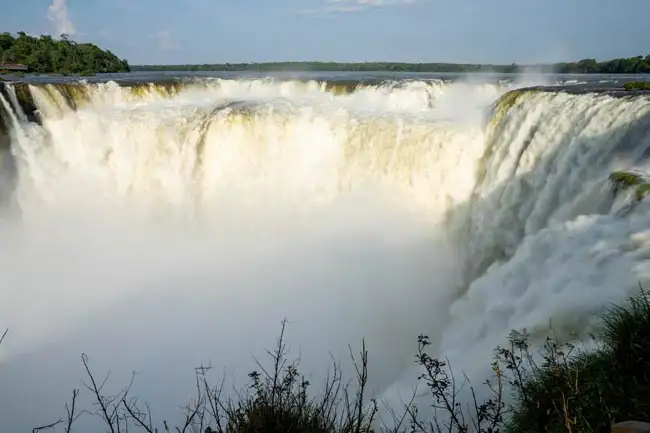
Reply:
x=144, y=76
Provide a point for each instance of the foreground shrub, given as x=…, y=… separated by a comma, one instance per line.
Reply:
x=558, y=389
x=276, y=400
x=279, y=402
x=587, y=392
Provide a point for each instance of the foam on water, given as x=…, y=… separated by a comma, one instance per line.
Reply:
x=156, y=229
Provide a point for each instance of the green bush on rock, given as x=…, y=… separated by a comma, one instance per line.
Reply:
x=623, y=180
x=637, y=85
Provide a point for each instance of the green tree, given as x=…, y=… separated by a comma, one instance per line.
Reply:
x=46, y=55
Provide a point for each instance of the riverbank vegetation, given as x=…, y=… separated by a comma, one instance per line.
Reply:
x=556, y=389
x=47, y=55
x=631, y=65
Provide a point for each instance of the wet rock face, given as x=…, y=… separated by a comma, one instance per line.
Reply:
x=4, y=138
x=25, y=100
x=4, y=127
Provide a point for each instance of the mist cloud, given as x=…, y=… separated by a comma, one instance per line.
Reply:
x=333, y=7
x=58, y=14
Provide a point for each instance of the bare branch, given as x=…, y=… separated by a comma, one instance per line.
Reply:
x=47, y=427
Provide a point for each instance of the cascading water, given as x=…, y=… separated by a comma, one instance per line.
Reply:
x=155, y=227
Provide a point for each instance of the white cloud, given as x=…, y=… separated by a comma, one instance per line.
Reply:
x=58, y=14
x=334, y=7
x=166, y=41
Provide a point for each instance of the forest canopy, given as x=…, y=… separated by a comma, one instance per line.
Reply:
x=44, y=54
x=631, y=65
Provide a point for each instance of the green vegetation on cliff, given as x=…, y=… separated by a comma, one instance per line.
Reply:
x=632, y=65
x=47, y=55
x=623, y=180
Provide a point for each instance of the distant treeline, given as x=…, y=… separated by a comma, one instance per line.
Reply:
x=326, y=66
x=632, y=65
x=64, y=56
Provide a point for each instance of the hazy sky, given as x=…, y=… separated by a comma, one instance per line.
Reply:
x=214, y=31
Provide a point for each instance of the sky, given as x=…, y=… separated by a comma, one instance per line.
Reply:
x=463, y=31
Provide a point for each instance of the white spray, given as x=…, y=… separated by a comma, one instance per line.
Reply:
x=58, y=15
